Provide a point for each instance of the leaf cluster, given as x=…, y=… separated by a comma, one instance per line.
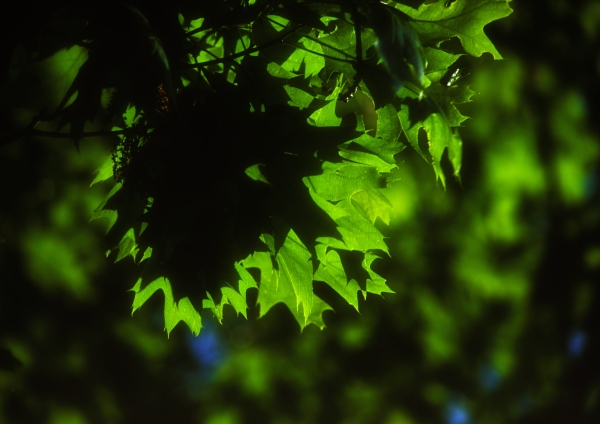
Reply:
x=256, y=138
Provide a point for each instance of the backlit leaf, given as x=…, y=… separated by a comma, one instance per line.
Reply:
x=254, y=172
x=295, y=269
x=331, y=271
x=173, y=312
x=464, y=19
x=104, y=172
x=373, y=204
x=299, y=98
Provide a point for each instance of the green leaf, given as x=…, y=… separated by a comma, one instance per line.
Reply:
x=447, y=97
x=356, y=230
x=269, y=241
x=230, y=296
x=110, y=216
x=385, y=149
x=147, y=254
x=339, y=181
x=127, y=246
x=376, y=283
x=298, y=98
x=130, y=116
x=332, y=191
x=455, y=153
x=367, y=159
x=253, y=172
x=104, y=172
x=464, y=19
x=439, y=136
x=331, y=271
x=216, y=308
x=359, y=236
x=325, y=116
x=247, y=280
x=388, y=124
x=339, y=46
x=310, y=54
x=316, y=314
x=332, y=242
x=272, y=291
x=295, y=269
x=373, y=204
x=438, y=60
x=173, y=313
x=279, y=72
x=237, y=299
x=268, y=291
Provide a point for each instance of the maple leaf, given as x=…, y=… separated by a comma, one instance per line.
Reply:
x=173, y=312
x=465, y=19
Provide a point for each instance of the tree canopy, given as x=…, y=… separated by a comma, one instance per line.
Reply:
x=244, y=125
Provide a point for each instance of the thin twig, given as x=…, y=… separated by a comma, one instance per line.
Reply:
x=326, y=56
x=346, y=95
x=33, y=132
x=246, y=52
x=316, y=40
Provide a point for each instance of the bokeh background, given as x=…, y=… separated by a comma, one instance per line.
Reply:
x=495, y=316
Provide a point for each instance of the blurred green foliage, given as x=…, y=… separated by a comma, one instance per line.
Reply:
x=495, y=314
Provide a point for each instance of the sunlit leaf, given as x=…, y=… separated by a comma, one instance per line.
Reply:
x=331, y=271
x=464, y=19
x=174, y=312
x=373, y=204
x=272, y=291
x=295, y=269
x=299, y=98
x=376, y=283
x=104, y=172
x=439, y=137
x=255, y=173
